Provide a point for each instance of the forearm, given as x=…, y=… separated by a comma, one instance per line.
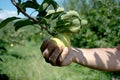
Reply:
x=107, y=59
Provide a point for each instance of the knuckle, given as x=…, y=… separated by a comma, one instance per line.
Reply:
x=45, y=54
x=60, y=60
x=52, y=61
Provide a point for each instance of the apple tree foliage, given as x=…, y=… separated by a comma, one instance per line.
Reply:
x=103, y=29
x=37, y=21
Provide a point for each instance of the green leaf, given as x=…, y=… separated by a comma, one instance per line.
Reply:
x=55, y=4
x=22, y=7
x=21, y=23
x=30, y=4
x=6, y=21
x=54, y=15
x=45, y=4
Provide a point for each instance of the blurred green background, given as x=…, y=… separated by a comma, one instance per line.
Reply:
x=23, y=59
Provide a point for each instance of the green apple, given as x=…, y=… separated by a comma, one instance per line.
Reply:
x=61, y=39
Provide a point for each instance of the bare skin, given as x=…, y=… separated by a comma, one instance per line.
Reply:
x=105, y=59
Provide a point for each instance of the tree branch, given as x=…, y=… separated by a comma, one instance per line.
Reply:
x=22, y=11
x=33, y=19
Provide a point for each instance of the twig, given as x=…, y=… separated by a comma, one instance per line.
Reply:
x=33, y=19
x=22, y=11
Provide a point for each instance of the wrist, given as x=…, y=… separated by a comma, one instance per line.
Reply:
x=79, y=57
x=75, y=53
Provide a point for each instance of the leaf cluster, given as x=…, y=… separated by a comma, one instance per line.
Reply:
x=39, y=17
x=103, y=29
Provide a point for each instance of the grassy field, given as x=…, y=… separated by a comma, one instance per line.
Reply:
x=33, y=67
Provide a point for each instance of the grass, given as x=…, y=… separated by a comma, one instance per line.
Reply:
x=34, y=67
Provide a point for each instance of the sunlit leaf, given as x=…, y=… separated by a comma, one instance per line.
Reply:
x=54, y=15
x=45, y=4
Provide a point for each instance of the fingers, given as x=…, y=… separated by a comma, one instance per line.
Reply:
x=59, y=57
x=46, y=48
x=65, y=58
x=49, y=49
x=63, y=54
x=55, y=55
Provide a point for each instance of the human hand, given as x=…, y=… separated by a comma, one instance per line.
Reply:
x=56, y=55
